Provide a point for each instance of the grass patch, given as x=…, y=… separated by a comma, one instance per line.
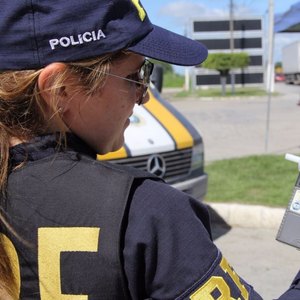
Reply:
x=264, y=180
x=173, y=80
x=216, y=92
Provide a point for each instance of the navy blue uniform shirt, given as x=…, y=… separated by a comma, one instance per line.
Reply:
x=108, y=232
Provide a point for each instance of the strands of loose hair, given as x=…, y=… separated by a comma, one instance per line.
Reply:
x=23, y=115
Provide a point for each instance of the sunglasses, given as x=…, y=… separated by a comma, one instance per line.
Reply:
x=141, y=79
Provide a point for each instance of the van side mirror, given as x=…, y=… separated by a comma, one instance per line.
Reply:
x=157, y=77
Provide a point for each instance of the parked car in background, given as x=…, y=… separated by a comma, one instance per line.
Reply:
x=279, y=77
x=162, y=141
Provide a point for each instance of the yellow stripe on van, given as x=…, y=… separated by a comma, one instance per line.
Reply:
x=121, y=153
x=175, y=128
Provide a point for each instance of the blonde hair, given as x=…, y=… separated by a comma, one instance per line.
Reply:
x=24, y=114
x=9, y=279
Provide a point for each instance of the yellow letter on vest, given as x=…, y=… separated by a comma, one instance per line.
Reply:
x=212, y=284
x=53, y=241
x=227, y=269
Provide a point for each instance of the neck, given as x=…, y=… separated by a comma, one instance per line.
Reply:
x=13, y=141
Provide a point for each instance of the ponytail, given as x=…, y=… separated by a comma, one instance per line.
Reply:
x=24, y=115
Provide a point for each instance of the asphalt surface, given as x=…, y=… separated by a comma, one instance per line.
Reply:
x=266, y=264
x=240, y=127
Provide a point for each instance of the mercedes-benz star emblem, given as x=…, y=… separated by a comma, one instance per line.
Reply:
x=156, y=165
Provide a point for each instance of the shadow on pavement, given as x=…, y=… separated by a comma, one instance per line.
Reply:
x=218, y=225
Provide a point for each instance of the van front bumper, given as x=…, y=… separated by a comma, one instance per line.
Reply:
x=196, y=187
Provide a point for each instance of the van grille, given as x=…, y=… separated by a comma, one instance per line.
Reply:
x=178, y=163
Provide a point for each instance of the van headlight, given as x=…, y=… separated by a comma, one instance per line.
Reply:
x=197, y=157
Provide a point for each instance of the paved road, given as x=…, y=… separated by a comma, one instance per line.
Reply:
x=266, y=264
x=233, y=128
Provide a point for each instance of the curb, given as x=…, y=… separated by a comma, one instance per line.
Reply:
x=249, y=216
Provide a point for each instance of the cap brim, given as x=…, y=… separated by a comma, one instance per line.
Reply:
x=167, y=46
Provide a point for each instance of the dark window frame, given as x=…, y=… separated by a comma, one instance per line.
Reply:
x=224, y=25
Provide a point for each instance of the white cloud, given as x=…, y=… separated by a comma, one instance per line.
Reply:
x=182, y=11
x=242, y=10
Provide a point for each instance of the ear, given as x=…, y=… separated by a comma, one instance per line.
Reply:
x=46, y=82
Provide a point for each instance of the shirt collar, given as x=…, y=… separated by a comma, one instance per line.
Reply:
x=46, y=145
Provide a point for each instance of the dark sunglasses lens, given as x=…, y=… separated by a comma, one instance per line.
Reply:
x=149, y=68
x=146, y=71
x=142, y=90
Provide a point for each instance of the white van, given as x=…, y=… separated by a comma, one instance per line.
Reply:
x=160, y=140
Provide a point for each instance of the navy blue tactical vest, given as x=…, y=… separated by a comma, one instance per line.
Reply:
x=70, y=213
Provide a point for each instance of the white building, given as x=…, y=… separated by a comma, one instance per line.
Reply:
x=247, y=36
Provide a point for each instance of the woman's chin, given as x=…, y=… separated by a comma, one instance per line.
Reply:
x=115, y=147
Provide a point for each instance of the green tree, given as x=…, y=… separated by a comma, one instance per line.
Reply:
x=224, y=62
x=168, y=68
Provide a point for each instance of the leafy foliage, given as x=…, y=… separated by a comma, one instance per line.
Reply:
x=166, y=66
x=173, y=80
x=223, y=62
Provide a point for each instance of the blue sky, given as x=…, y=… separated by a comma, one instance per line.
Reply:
x=174, y=14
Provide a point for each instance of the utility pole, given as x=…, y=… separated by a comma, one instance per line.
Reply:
x=270, y=69
x=231, y=28
x=186, y=69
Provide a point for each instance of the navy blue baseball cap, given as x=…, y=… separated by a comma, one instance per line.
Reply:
x=35, y=33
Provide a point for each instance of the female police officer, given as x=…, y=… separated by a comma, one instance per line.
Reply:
x=74, y=227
